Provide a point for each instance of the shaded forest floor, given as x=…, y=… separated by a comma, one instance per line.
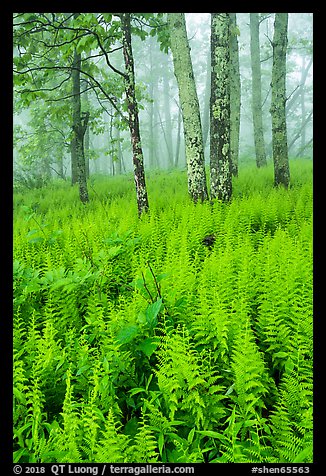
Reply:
x=136, y=342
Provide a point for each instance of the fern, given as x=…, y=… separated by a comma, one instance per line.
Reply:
x=91, y=418
x=112, y=445
x=216, y=366
x=144, y=448
x=67, y=438
x=292, y=421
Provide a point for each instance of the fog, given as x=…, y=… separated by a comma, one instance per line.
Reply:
x=108, y=141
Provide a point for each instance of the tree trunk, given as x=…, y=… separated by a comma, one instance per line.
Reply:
x=86, y=144
x=87, y=152
x=156, y=139
x=60, y=167
x=74, y=176
x=279, y=131
x=138, y=159
x=79, y=128
x=183, y=71
x=119, y=151
x=151, y=138
x=167, y=112
x=177, y=147
x=205, y=115
x=303, y=107
x=220, y=157
x=235, y=95
x=256, y=91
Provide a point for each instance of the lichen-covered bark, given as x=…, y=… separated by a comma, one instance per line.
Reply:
x=235, y=94
x=79, y=128
x=256, y=91
x=279, y=130
x=220, y=156
x=167, y=111
x=73, y=156
x=183, y=71
x=205, y=114
x=138, y=158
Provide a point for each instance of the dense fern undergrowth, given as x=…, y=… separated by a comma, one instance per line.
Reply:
x=135, y=342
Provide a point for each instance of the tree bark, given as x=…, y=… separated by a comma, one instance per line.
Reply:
x=152, y=104
x=167, y=111
x=235, y=95
x=205, y=115
x=119, y=151
x=177, y=147
x=257, y=113
x=79, y=128
x=74, y=177
x=87, y=151
x=220, y=156
x=86, y=142
x=278, y=113
x=138, y=158
x=183, y=71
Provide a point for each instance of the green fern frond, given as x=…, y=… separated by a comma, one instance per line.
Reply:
x=144, y=448
x=112, y=445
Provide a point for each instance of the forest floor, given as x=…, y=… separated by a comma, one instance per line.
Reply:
x=138, y=340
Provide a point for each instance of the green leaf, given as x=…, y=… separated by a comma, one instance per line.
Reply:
x=213, y=434
x=19, y=453
x=160, y=442
x=131, y=427
x=37, y=239
x=127, y=334
x=135, y=391
x=230, y=389
x=32, y=232
x=162, y=276
x=280, y=355
x=152, y=312
x=148, y=346
x=82, y=369
x=19, y=395
x=289, y=366
x=300, y=458
x=191, y=435
x=107, y=17
x=114, y=251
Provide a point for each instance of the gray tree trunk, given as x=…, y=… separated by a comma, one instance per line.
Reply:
x=79, y=127
x=167, y=112
x=207, y=97
x=303, y=108
x=87, y=151
x=86, y=138
x=220, y=156
x=279, y=130
x=119, y=151
x=177, y=147
x=138, y=158
x=257, y=113
x=183, y=71
x=235, y=95
x=151, y=114
x=73, y=156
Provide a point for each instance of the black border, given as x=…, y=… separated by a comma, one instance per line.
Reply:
x=7, y=210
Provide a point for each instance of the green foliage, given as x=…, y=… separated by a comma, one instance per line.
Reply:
x=134, y=342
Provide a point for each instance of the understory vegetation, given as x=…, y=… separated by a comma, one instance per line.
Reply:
x=135, y=340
